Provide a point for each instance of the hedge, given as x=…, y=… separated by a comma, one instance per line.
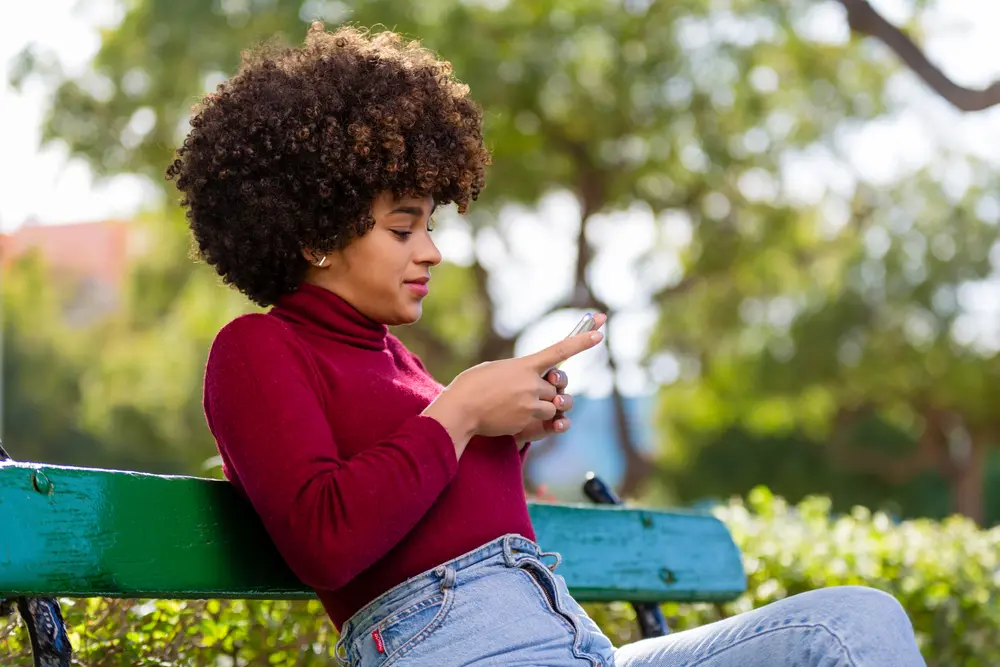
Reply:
x=946, y=574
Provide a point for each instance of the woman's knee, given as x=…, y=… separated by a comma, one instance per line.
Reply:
x=860, y=613
x=861, y=602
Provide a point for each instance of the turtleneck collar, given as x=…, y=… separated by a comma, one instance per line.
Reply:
x=326, y=314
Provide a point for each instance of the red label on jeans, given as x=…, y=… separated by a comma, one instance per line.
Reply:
x=379, y=644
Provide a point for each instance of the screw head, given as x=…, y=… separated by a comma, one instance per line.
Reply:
x=41, y=482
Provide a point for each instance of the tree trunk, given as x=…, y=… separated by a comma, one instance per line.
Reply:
x=966, y=479
x=638, y=467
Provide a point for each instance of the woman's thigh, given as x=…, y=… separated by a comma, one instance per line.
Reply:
x=848, y=626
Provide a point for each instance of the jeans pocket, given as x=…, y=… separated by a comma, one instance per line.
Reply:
x=392, y=638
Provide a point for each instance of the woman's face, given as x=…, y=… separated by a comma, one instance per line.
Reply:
x=384, y=273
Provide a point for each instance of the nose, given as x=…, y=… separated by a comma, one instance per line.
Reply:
x=427, y=252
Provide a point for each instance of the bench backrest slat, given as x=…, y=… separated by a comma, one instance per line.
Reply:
x=81, y=532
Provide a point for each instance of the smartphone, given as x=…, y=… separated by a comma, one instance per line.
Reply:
x=583, y=326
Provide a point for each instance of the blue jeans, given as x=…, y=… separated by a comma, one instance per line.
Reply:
x=503, y=605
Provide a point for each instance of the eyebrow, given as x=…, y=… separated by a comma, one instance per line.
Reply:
x=412, y=210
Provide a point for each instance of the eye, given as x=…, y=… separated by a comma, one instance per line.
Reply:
x=401, y=235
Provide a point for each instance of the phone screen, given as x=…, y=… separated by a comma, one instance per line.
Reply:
x=583, y=326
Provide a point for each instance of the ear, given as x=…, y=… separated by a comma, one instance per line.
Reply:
x=316, y=259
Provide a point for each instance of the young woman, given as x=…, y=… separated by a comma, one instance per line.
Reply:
x=310, y=179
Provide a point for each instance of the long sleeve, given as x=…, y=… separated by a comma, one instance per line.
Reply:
x=330, y=517
x=522, y=453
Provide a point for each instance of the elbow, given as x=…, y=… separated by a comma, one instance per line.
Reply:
x=319, y=539
x=320, y=559
x=320, y=551
x=320, y=574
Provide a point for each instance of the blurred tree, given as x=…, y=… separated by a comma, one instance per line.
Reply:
x=686, y=112
x=43, y=361
x=888, y=332
x=40, y=393
x=865, y=20
x=144, y=391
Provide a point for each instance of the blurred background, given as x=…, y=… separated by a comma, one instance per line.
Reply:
x=792, y=224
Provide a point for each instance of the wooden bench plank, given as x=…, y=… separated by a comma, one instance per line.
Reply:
x=81, y=532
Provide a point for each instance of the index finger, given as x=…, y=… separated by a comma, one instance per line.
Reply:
x=555, y=354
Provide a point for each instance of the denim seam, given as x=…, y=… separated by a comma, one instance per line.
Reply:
x=403, y=614
x=821, y=626
x=435, y=623
x=359, y=617
x=553, y=607
x=543, y=600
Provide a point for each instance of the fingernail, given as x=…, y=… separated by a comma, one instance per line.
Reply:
x=597, y=335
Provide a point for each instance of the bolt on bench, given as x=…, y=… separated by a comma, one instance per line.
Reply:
x=82, y=532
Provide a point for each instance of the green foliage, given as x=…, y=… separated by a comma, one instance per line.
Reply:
x=122, y=389
x=145, y=389
x=41, y=363
x=944, y=573
x=162, y=633
x=878, y=325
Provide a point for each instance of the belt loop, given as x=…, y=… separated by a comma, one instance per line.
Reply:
x=341, y=647
x=447, y=574
x=554, y=554
x=508, y=551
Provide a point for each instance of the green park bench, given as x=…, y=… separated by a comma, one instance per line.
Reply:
x=81, y=532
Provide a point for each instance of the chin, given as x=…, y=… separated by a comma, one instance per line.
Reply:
x=407, y=315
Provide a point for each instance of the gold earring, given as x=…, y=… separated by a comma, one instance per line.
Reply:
x=321, y=262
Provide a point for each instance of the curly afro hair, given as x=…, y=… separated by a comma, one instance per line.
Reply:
x=291, y=151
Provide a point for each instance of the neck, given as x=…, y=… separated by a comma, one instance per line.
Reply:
x=326, y=313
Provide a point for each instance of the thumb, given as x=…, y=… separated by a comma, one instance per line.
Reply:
x=546, y=359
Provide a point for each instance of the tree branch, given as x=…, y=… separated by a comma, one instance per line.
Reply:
x=929, y=454
x=864, y=19
x=677, y=289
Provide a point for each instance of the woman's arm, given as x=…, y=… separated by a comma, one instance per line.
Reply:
x=329, y=517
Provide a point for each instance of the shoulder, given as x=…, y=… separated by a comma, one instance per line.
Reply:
x=253, y=338
x=252, y=331
x=256, y=366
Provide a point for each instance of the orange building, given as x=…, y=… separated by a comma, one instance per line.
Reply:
x=96, y=253
x=98, y=250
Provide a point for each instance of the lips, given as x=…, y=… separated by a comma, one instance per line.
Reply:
x=418, y=286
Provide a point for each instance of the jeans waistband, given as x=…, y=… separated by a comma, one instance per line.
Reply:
x=513, y=548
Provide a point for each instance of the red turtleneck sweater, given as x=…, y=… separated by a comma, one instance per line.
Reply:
x=316, y=412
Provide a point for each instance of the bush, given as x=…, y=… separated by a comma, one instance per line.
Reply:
x=946, y=574
x=187, y=633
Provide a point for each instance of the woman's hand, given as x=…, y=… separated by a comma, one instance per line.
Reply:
x=542, y=428
x=506, y=397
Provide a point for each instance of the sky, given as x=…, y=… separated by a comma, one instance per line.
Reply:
x=961, y=36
